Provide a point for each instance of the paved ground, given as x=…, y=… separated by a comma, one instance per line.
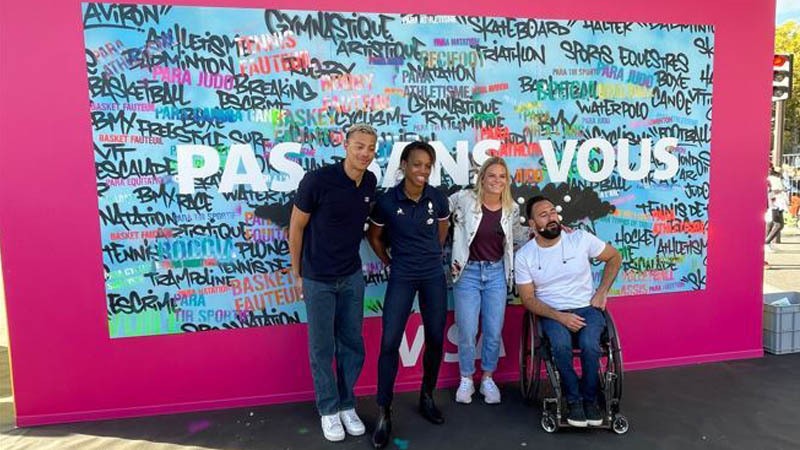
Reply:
x=694, y=423
x=783, y=271
x=746, y=404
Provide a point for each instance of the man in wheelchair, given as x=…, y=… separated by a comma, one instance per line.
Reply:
x=554, y=280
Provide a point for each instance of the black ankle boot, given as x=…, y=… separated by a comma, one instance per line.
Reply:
x=380, y=438
x=428, y=409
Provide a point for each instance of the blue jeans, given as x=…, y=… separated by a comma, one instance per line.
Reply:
x=589, y=342
x=480, y=293
x=335, y=312
x=397, y=305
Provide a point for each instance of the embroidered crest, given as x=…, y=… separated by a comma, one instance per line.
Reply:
x=400, y=212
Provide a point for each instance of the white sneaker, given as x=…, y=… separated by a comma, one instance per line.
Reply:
x=465, y=390
x=332, y=427
x=490, y=391
x=352, y=423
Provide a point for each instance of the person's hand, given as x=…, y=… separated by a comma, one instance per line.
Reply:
x=599, y=300
x=298, y=285
x=455, y=268
x=572, y=321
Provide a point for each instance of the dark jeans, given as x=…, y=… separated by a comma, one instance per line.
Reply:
x=775, y=226
x=589, y=343
x=335, y=312
x=396, y=309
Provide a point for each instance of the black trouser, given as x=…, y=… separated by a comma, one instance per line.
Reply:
x=775, y=226
x=396, y=309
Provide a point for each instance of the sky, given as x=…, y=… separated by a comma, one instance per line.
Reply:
x=787, y=10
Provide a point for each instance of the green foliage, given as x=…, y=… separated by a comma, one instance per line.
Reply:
x=787, y=40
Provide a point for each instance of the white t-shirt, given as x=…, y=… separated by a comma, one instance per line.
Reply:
x=561, y=274
x=778, y=198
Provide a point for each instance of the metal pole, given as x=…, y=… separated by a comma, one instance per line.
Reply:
x=777, y=150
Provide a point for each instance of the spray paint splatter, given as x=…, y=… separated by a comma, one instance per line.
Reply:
x=198, y=426
x=402, y=444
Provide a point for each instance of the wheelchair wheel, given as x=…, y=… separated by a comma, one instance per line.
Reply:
x=549, y=423
x=615, y=365
x=527, y=359
x=619, y=425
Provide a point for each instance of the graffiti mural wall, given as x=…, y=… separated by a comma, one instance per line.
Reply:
x=204, y=121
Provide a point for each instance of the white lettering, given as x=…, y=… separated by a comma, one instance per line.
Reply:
x=187, y=173
x=456, y=166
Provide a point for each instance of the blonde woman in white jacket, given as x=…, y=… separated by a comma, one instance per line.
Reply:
x=486, y=225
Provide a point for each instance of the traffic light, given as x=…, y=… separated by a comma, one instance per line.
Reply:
x=781, y=77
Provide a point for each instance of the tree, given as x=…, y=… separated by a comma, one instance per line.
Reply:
x=787, y=41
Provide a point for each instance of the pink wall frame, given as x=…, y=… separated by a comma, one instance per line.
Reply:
x=66, y=368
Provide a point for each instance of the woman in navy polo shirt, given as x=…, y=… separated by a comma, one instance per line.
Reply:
x=414, y=217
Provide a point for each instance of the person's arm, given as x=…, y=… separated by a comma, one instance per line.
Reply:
x=378, y=219
x=613, y=260
x=451, y=202
x=444, y=226
x=444, y=218
x=297, y=223
x=375, y=239
x=527, y=294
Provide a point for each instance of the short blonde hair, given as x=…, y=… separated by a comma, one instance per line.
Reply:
x=361, y=128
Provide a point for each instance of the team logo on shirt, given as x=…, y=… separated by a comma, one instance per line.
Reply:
x=400, y=211
x=429, y=221
x=430, y=208
x=366, y=199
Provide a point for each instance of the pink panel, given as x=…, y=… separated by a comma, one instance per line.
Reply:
x=65, y=367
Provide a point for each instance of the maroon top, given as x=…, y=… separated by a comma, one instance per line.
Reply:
x=487, y=245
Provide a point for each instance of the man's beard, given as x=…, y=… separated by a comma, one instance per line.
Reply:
x=549, y=233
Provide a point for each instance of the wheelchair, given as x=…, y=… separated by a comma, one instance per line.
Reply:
x=535, y=355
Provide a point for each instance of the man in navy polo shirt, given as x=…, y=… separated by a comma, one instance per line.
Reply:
x=325, y=231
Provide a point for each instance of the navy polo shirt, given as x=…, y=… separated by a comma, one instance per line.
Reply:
x=413, y=230
x=338, y=211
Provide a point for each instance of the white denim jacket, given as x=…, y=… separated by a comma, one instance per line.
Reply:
x=467, y=214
